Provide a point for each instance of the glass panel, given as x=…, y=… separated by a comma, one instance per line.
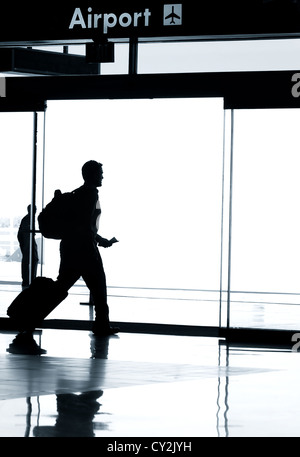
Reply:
x=265, y=268
x=219, y=56
x=120, y=64
x=16, y=145
x=226, y=220
x=161, y=197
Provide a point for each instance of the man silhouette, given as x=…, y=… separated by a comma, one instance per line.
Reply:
x=79, y=251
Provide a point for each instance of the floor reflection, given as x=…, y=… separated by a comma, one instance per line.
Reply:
x=76, y=412
x=222, y=397
x=141, y=385
x=75, y=416
x=100, y=346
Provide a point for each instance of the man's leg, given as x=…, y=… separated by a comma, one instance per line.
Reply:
x=69, y=272
x=25, y=268
x=94, y=277
x=97, y=286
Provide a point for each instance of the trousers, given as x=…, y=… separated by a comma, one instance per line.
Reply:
x=25, y=264
x=83, y=260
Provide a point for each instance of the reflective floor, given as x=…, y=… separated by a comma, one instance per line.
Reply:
x=146, y=385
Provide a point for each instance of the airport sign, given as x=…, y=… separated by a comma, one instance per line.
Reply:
x=81, y=21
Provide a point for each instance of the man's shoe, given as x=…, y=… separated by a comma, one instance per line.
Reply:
x=24, y=343
x=104, y=331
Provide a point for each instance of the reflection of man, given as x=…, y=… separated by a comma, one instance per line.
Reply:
x=75, y=417
x=24, y=241
x=79, y=249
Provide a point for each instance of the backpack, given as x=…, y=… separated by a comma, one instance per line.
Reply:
x=59, y=216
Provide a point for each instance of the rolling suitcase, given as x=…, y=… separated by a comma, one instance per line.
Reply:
x=32, y=305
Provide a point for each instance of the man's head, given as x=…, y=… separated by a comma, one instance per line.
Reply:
x=92, y=173
x=29, y=209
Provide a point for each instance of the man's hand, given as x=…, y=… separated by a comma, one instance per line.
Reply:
x=106, y=243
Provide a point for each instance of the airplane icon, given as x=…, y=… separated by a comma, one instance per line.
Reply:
x=175, y=18
x=172, y=16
